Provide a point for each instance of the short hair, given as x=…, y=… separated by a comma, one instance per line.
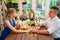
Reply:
x=55, y=8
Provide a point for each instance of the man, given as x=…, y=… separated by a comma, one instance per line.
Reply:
x=52, y=24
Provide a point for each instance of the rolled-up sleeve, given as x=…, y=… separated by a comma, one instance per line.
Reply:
x=54, y=28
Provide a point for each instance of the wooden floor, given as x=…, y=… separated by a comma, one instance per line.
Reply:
x=28, y=36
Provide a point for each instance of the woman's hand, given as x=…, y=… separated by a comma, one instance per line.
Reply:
x=17, y=26
x=33, y=30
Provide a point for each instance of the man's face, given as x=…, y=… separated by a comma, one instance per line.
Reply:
x=52, y=13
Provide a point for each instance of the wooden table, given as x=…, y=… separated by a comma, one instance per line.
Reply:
x=26, y=36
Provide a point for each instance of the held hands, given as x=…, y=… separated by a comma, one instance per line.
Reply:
x=33, y=30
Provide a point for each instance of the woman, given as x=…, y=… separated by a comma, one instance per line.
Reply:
x=9, y=24
x=32, y=14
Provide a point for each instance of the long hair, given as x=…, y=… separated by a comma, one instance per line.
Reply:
x=32, y=11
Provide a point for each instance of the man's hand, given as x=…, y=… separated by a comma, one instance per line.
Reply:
x=34, y=31
x=39, y=31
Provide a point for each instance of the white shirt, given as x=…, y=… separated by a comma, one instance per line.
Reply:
x=53, y=26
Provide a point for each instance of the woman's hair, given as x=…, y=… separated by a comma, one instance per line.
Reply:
x=31, y=11
x=9, y=12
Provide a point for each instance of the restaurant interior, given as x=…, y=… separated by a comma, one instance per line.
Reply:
x=30, y=11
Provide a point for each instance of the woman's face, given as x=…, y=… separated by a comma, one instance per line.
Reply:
x=14, y=15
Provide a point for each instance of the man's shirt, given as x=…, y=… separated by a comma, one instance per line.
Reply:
x=53, y=26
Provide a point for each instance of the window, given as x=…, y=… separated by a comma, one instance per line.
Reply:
x=40, y=9
x=0, y=2
x=54, y=3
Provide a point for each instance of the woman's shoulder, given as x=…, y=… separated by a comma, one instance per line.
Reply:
x=5, y=20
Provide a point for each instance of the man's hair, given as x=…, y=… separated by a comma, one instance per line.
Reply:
x=55, y=8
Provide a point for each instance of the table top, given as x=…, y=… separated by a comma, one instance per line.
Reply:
x=28, y=36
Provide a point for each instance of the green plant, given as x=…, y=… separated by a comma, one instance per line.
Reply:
x=58, y=14
x=12, y=4
x=58, y=3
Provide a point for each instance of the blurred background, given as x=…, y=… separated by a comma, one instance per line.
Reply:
x=40, y=7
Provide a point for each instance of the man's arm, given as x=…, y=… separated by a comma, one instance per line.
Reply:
x=41, y=31
x=49, y=30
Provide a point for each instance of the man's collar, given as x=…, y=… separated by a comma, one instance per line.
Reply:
x=54, y=18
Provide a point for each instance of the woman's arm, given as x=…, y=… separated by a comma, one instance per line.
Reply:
x=11, y=27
